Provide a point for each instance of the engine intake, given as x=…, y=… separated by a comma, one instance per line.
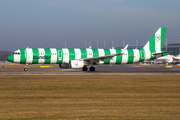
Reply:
x=77, y=64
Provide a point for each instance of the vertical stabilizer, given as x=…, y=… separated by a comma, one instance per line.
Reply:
x=156, y=42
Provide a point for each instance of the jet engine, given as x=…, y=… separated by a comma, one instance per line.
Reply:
x=64, y=65
x=77, y=64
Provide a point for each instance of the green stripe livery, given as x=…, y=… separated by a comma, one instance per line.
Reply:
x=95, y=52
x=23, y=56
x=35, y=54
x=163, y=33
x=47, y=54
x=71, y=54
x=59, y=56
x=83, y=53
x=141, y=55
x=119, y=57
x=130, y=56
x=107, y=53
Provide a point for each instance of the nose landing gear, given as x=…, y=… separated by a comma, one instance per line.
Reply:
x=26, y=68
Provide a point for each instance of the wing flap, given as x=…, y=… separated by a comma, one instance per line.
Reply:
x=101, y=58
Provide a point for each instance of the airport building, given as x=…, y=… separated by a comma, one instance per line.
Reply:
x=173, y=49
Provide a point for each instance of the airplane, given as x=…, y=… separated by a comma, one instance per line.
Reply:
x=170, y=59
x=88, y=58
x=177, y=58
x=165, y=59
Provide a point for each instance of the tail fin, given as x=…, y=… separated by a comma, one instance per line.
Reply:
x=156, y=42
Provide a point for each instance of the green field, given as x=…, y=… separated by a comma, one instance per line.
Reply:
x=90, y=97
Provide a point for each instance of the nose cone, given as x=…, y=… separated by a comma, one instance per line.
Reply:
x=10, y=58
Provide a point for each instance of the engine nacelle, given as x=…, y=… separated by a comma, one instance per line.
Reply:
x=64, y=65
x=77, y=64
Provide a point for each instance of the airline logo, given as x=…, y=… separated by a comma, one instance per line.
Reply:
x=42, y=57
x=158, y=37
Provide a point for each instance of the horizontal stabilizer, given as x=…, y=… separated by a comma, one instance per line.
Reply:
x=159, y=54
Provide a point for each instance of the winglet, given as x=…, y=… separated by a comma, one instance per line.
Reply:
x=126, y=47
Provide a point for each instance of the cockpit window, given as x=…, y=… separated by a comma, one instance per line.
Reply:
x=16, y=53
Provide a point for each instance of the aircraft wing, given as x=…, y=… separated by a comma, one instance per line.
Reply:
x=101, y=58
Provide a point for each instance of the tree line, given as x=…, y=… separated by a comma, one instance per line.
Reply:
x=4, y=55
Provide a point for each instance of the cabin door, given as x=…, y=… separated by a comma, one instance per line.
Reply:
x=59, y=54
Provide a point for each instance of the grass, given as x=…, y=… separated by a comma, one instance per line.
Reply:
x=90, y=97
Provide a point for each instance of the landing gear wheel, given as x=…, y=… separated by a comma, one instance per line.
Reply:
x=25, y=69
x=92, y=68
x=84, y=68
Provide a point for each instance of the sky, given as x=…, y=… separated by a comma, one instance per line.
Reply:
x=49, y=23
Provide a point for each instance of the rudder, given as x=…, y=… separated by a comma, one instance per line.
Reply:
x=156, y=42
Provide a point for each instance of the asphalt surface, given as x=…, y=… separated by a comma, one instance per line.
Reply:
x=132, y=69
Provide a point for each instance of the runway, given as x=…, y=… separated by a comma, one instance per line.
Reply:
x=133, y=69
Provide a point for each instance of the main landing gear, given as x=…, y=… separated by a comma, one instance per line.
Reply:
x=90, y=69
x=84, y=68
